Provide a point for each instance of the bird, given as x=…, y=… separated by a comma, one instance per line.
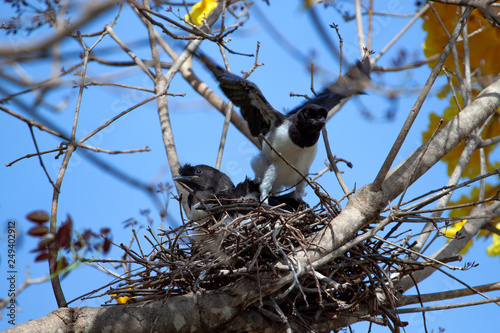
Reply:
x=210, y=186
x=249, y=189
x=204, y=183
x=203, y=180
x=294, y=135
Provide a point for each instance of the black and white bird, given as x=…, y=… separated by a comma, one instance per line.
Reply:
x=294, y=135
x=250, y=189
x=208, y=186
x=204, y=182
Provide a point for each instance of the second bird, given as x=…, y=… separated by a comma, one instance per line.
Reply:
x=294, y=135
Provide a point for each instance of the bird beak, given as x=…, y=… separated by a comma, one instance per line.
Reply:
x=320, y=122
x=186, y=180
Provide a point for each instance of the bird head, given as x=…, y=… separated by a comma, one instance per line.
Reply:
x=203, y=178
x=313, y=116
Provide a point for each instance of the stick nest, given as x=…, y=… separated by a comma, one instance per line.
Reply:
x=260, y=244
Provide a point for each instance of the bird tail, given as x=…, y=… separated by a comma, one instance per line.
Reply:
x=355, y=81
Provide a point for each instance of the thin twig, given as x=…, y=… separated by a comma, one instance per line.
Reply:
x=333, y=164
x=40, y=158
x=400, y=33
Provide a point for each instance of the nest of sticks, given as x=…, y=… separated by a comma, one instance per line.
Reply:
x=208, y=256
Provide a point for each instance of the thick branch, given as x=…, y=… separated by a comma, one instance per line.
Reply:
x=177, y=314
x=365, y=205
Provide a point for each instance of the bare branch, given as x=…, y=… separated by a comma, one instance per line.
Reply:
x=406, y=27
x=470, y=229
x=447, y=306
x=211, y=97
x=451, y=294
x=418, y=104
x=333, y=164
x=90, y=12
x=359, y=24
x=137, y=60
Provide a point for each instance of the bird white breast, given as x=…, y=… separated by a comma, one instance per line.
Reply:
x=201, y=217
x=300, y=158
x=198, y=214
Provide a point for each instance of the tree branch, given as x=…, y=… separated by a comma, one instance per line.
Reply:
x=90, y=12
x=414, y=299
x=420, y=100
x=469, y=230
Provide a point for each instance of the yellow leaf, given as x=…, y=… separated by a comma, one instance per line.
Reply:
x=200, y=11
x=451, y=159
x=451, y=232
x=121, y=299
x=494, y=248
x=490, y=191
x=484, y=48
x=484, y=44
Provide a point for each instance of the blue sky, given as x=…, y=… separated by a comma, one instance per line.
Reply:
x=95, y=199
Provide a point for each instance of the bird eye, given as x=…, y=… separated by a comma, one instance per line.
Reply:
x=198, y=171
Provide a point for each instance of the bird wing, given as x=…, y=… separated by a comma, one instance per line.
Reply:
x=352, y=83
x=254, y=107
x=246, y=189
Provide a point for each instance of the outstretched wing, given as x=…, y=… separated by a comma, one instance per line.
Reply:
x=254, y=107
x=352, y=83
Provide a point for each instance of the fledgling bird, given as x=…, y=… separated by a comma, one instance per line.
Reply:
x=249, y=189
x=294, y=135
x=209, y=185
x=205, y=182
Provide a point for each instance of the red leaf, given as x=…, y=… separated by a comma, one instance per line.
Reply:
x=87, y=234
x=39, y=249
x=63, y=234
x=106, y=246
x=43, y=257
x=78, y=245
x=105, y=230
